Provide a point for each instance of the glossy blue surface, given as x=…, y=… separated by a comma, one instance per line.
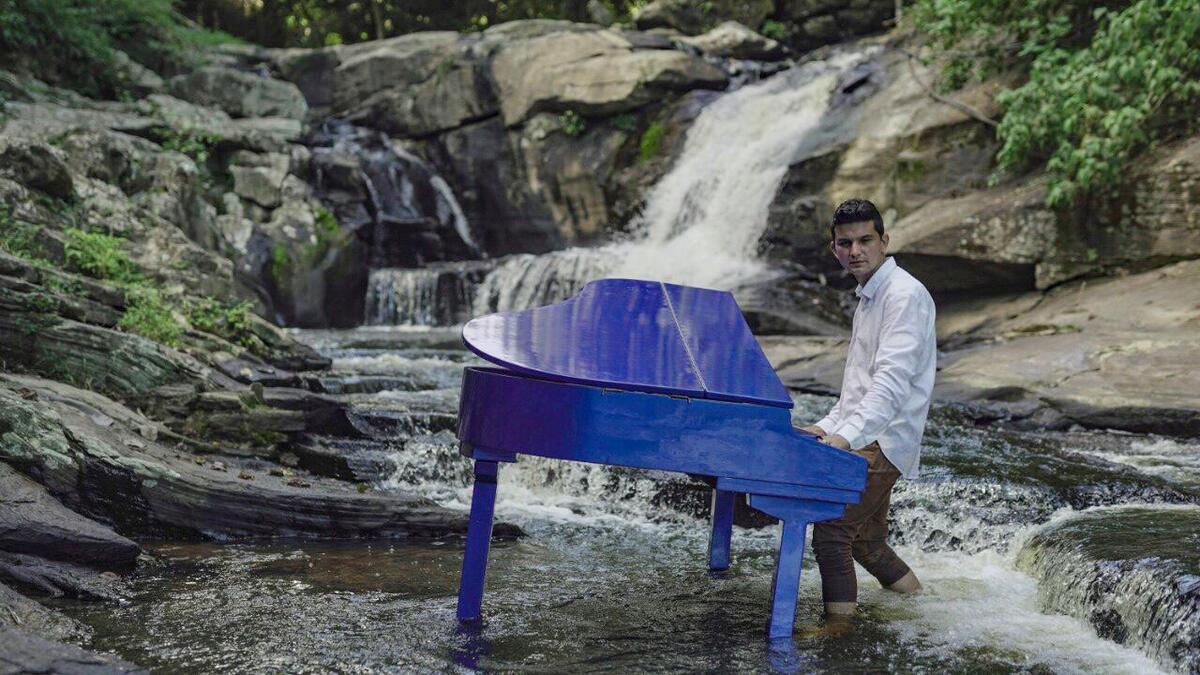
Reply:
x=635, y=335
x=504, y=412
x=654, y=376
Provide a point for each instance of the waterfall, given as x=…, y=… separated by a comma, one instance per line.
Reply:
x=703, y=221
x=437, y=295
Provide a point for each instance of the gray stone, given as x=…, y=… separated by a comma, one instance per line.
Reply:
x=38, y=166
x=590, y=73
x=734, y=40
x=33, y=522
x=240, y=94
x=28, y=616
x=26, y=653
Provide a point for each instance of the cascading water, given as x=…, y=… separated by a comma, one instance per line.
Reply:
x=703, y=220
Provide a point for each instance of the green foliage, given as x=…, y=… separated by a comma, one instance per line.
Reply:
x=775, y=30
x=318, y=23
x=18, y=238
x=99, y=255
x=195, y=144
x=73, y=41
x=231, y=322
x=1104, y=82
x=652, y=141
x=572, y=123
x=624, y=122
x=281, y=262
x=147, y=314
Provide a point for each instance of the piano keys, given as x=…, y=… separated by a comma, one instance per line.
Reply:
x=656, y=376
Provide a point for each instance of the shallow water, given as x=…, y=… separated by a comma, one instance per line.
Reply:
x=611, y=575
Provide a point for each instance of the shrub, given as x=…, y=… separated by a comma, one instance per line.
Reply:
x=231, y=322
x=774, y=30
x=99, y=255
x=1103, y=82
x=624, y=122
x=572, y=123
x=148, y=315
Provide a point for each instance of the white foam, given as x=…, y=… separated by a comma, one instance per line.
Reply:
x=1155, y=456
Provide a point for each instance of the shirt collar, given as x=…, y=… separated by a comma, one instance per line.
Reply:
x=872, y=286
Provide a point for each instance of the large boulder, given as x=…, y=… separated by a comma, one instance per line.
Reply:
x=89, y=455
x=239, y=93
x=591, y=73
x=33, y=522
x=27, y=653
x=732, y=39
x=695, y=16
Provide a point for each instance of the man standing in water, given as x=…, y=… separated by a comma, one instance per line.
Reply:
x=880, y=414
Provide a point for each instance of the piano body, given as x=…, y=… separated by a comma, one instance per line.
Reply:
x=651, y=375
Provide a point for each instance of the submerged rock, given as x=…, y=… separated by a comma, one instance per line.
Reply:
x=1133, y=572
x=26, y=653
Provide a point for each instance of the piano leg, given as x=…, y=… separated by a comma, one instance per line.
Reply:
x=479, y=537
x=722, y=529
x=796, y=514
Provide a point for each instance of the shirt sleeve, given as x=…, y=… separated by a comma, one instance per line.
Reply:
x=902, y=342
x=830, y=421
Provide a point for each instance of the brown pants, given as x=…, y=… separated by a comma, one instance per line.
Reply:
x=860, y=534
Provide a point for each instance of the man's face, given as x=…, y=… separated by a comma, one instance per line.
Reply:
x=859, y=248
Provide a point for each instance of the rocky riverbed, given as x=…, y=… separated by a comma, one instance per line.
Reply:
x=167, y=447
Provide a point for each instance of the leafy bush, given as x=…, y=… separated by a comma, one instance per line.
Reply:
x=1103, y=82
x=195, y=144
x=774, y=29
x=18, y=238
x=99, y=255
x=572, y=123
x=652, y=141
x=72, y=42
x=148, y=315
x=231, y=322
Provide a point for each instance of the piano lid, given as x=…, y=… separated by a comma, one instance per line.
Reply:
x=636, y=335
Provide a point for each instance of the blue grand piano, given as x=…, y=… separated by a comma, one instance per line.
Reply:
x=656, y=376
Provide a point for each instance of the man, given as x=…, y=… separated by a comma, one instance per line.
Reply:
x=880, y=414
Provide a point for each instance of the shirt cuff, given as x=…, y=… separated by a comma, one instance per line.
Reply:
x=826, y=424
x=852, y=433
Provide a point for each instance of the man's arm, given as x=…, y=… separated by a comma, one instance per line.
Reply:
x=901, y=343
x=830, y=421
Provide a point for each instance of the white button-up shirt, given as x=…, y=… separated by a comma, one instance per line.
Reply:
x=889, y=370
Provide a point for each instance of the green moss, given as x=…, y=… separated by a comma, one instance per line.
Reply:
x=624, y=122
x=910, y=171
x=18, y=238
x=281, y=262
x=148, y=315
x=651, y=145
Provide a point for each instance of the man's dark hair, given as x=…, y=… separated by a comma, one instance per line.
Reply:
x=856, y=211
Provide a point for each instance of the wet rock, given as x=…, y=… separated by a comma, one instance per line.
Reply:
x=56, y=578
x=29, y=616
x=240, y=94
x=26, y=653
x=1133, y=572
x=732, y=39
x=590, y=73
x=154, y=491
x=693, y=16
x=32, y=522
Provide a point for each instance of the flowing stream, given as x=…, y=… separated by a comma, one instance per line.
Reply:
x=611, y=574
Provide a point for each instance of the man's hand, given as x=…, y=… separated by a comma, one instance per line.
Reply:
x=836, y=441
x=814, y=430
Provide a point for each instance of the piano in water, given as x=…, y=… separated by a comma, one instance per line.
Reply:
x=656, y=376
